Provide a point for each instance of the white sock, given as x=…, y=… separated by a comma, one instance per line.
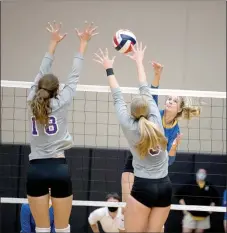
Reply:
x=42, y=230
x=67, y=229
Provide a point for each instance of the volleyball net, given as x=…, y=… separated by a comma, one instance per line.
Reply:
x=93, y=124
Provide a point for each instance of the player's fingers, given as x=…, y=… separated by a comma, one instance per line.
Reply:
x=97, y=61
x=141, y=46
x=133, y=47
x=145, y=47
x=100, y=58
x=50, y=26
x=48, y=29
x=101, y=52
x=106, y=53
x=113, y=59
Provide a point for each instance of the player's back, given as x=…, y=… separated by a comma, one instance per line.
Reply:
x=153, y=166
x=50, y=141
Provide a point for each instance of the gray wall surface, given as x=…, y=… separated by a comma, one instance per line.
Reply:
x=188, y=37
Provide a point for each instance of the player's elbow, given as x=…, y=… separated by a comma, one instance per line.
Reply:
x=94, y=227
x=91, y=221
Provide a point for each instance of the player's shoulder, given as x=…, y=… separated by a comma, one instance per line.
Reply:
x=57, y=104
x=100, y=211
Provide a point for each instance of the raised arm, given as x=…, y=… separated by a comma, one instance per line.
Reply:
x=47, y=61
x=144, y=89
x=69, y=89
x=157, y=75
x=119, y=103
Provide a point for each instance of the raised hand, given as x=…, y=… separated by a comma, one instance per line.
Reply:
x=87, y=33
x=137, y=52
x=157, y=67
x=54, y=29
x=104, y=59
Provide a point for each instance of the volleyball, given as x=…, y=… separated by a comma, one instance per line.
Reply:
x=122, y=41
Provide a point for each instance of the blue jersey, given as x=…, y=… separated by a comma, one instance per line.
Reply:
x=224, y=203
x=27, y=221
x=170, y=132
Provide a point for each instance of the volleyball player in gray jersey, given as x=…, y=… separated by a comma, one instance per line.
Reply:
x=148, y=205
x=50, y=137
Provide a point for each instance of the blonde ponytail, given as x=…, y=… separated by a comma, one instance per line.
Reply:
x=189, y=110
x=40, y=106
x=151, y=137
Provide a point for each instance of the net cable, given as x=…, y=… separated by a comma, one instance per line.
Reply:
x=11, y=200
x=126, y=90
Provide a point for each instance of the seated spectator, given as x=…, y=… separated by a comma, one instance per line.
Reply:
x=110, y=218
x=197, y=192
x=225, y=215
x=27, y=221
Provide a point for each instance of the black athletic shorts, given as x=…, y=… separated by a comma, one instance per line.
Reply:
x=49, y=173
x=128, y=164
x=152, y=192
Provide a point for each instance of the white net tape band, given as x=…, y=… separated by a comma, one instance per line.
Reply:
x=9, y=200
x=126, y=90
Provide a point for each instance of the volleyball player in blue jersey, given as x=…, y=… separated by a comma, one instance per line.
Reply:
x=148, y=205
x=50, y=137
x=175, y=108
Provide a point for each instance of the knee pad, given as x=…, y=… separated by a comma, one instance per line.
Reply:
x=42, y=230
x=67, y=229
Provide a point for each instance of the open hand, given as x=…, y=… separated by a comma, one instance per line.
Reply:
x=87, y=33
x=157, y=67
x=137, y=52
x=104, y=59
x=54, y=29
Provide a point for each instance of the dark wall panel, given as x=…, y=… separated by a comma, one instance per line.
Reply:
x=96, y=172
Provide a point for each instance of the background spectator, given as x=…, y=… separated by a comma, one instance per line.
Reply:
x=110, y=218
x=197, y=192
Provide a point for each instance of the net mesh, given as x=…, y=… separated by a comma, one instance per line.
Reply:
x=93, y=123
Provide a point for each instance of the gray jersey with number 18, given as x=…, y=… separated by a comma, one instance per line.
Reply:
x=51, y=141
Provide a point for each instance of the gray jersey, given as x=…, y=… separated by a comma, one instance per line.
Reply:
x=48, y=142
x=152, y=166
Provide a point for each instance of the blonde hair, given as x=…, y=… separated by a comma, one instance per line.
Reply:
x=40, y=105
x=188, y=110
x=150, y=136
